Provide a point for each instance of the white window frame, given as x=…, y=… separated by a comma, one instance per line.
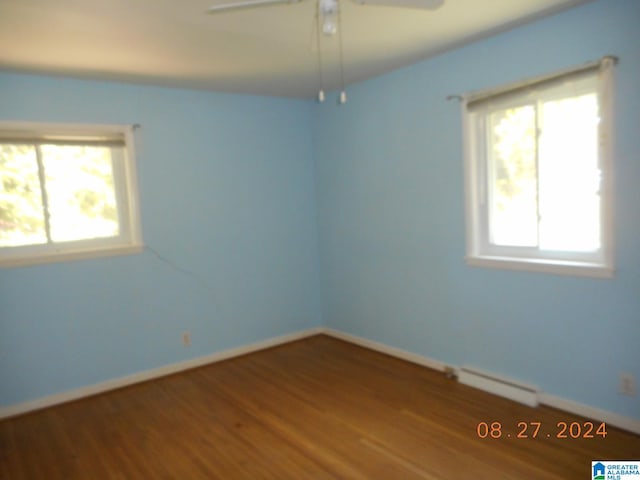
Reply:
x=476, y=108
x=129, y=239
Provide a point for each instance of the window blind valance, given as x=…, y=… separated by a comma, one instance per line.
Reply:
x=477, y=100
x=109, y=136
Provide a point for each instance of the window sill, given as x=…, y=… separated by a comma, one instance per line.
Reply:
x=557, y=267
x=54, y=257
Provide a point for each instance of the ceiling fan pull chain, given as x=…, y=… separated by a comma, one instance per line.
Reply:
x=320, y=97
x=342, y=99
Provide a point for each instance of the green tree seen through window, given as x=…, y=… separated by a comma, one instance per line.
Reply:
x=80, y=197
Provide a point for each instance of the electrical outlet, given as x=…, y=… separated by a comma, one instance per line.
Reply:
x=627, y=385
x=186, y=338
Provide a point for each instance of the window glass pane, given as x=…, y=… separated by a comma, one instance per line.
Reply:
x=569, y=175
x=513, y=210
x=21, y=212
x=80, y=192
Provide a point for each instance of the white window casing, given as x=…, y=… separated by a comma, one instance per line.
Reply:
x=478, y=109
x=119, y=140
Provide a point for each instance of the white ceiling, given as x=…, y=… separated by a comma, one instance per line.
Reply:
x=268, y=51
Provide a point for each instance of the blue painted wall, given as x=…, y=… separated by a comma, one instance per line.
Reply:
x=226, y=192
x=389, y=181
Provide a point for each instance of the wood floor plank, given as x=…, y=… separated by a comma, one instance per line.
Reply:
x=318, y=408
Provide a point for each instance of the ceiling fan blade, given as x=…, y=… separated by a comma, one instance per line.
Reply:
x=416, y=4
x=231, y=6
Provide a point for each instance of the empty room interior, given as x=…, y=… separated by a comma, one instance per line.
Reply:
x=389, y=239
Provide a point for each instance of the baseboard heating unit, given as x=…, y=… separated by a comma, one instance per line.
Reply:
x=498, y=385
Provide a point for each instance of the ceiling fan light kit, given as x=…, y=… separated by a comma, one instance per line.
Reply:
x=328, y=14
x=328, y=22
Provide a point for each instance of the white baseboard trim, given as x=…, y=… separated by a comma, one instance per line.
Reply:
x=610, y=418
x=614, y=419
x=89, y=390
x=382, y=348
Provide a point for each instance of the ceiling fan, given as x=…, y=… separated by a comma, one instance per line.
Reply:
x=328, y=21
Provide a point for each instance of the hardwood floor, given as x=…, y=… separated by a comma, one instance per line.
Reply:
x=313, y=409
